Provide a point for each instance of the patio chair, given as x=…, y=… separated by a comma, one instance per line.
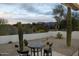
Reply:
x=48, y=49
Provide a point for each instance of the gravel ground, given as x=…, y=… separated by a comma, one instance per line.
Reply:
x=58, y=46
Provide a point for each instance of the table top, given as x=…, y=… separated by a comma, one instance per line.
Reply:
x=36, y=45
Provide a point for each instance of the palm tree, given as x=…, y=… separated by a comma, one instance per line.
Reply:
x=58, y=11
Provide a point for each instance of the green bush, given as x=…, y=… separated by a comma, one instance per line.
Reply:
x=59, y=35
x=40, y=30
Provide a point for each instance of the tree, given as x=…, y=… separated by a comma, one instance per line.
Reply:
x=63, y=25
x=3, y=27
x=58, y=11
x=58, y=22
x=75, y=24
x=27, y=28
x=3, y=21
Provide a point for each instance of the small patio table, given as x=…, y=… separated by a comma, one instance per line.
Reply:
x=35, y=49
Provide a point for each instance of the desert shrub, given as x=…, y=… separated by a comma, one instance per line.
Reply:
x=25, y=42
x=10, y=42
x=59, y=35
x=40, y=30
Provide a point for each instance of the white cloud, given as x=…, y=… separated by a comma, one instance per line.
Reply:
x=33, y=13
x=26, y=18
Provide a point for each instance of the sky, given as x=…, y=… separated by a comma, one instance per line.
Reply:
x=27, y=12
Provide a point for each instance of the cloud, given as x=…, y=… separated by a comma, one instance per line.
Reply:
x=29, y=12
x=26, y=18
x=32, y=19
x=40, y=8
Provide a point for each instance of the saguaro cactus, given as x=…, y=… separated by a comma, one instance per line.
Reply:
x=20, y=35
x=69, y=27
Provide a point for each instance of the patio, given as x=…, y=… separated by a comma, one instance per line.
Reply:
x=59, y=48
